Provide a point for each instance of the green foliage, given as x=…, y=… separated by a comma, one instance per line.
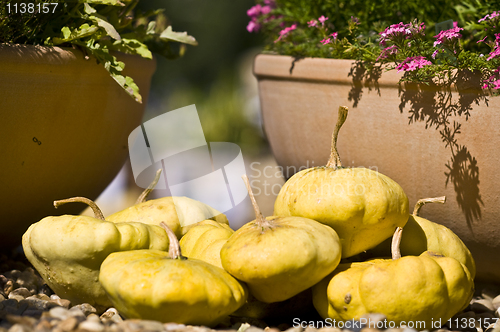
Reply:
x=97, y=27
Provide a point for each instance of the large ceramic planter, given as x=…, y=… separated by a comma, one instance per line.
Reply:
x=64, y=129
x=433, y=142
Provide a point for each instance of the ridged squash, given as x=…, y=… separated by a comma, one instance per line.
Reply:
x=279, y=257
x=68, y=251
x=155, y=285
x=204, y=242
x=423, y=289
x=179, y=213
x=422, y=235
x=363, y=206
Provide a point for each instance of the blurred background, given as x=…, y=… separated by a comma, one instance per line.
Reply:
x=217, y=77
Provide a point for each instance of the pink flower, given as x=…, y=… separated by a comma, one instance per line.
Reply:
x=325, y=41
x=271, y=3
x=482, y=40
x=496, y=50
x=265, y=10
x=400, y=31
x=312, y=23
x=393, y=49
x=253, y=26
x=447, y=36
x=413, y=63
x=322, y=20
x=334, y=35
x=286, y=31
x=489, y=17
x=254, y=11
x=434, y=54
x=494, y=53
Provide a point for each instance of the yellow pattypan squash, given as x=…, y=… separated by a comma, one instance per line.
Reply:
x=205, y=240
x=361, y=205
x=68, y=251
x=279, y=257
x=421, y=289
x=179, y=213
x=421, y=234
x=152, y=284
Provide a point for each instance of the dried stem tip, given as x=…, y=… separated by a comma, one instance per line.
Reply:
x=97, y=212
x=396, y=241
x=259, y=218
x=174, y=249
x=149, y=189
x=334, y=160
x=423, y=201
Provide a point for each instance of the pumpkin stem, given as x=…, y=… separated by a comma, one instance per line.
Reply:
x=334, y=160
x=259, y=218
x=174, y=249
x=149, y=189
x=396, y=241
x=423, y=201
x=97, y=212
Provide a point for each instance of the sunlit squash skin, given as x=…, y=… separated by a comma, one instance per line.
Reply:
x=423, y=288
x=420, y=235
x=148, y=284
x=68, y=251
x=363, y=206
x=282, y=256
x=179, y=213
x=205, y=240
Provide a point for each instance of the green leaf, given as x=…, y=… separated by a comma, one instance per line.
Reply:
x=181, y=37
x=110, y=29
x=89, y=10
x=151, y=28
x=132, y=46
x=84, y=30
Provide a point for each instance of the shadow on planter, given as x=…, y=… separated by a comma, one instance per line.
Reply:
x=434, y=105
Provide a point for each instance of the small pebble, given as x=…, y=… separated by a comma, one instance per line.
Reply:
x=91, y=326
x=33, y=313
x=142, y=324
x=482, y=305
x=489, y=293
x=28, y=321
x=24, y=292
x=68, y=324
x=86, y=308
x=43, y=326
x=496, y=302
x=111, y=315
x=59, y=313
x=20, y=328
x=253, y=329
x=55, y=297
x=173, y=326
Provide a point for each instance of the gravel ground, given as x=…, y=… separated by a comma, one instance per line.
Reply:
x=28, y=305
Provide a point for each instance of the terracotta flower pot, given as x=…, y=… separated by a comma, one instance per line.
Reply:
x=433, y=141
x=64, y=130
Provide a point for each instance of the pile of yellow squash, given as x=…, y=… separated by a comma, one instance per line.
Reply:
x=174, y=259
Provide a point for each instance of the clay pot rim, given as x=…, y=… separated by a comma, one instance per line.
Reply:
x=24, y=54
x=331, y=71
